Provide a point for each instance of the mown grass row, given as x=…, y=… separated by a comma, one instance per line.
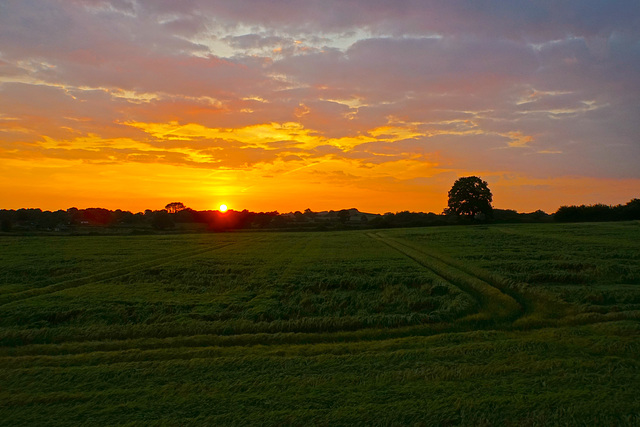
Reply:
x=567, y=268
x=31, y=262
x=439, y=346
x=17, y=336
x=539, y=307
x=572, y=375
x=308, y=283
x=94, y=278
x=76, y=261
x=495, y=306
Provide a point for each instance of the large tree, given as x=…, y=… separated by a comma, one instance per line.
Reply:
x=469, y=196
x=174, y=207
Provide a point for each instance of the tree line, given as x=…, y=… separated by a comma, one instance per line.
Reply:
x=599, y=212
x=74, y=219
x=86, y=220
x=470, y=199
x=469, y=203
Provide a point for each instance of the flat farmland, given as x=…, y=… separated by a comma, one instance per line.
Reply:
x=478, y=325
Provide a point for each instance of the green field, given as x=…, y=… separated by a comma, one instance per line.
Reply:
x=479, y=325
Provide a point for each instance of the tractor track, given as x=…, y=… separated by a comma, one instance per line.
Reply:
x=495, y=304
x=502, y=306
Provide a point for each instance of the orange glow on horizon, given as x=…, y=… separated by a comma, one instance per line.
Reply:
x=283, y=166
x=286, y=187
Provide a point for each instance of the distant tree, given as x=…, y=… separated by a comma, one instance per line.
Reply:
x=631, y=210
x=344, y=215
x=537, y=216
x=161, y=220
x=174, y=207
x=299, y=216
x=309, y=214
x=470, y=196
x=597, y=212
x=96, y=216
x=262, y=219
x=280, y=221
x=122, y=217
x=185, y=215
x=506, y=215
x=5, y=225
x=48, y=220
x=28, y=214
x=75, y=216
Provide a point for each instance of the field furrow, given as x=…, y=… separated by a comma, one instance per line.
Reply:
x=495, y=306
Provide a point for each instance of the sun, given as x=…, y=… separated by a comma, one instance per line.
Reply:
x=223, y=208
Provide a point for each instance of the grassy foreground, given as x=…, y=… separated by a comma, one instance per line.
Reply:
x=514, y=325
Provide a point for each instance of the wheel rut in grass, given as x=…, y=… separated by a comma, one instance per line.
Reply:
x=495, y=305
x=499, y=307
x=105, y=275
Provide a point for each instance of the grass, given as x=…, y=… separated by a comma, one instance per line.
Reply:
x=594, y=267
x=510, y=324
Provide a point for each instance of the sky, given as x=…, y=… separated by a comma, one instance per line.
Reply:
x=323, y=104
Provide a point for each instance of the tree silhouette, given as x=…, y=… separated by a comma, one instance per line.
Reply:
x=174, y=207
x=469, y=196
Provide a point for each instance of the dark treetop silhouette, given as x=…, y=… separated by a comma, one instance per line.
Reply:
x=174, y=207
x=470, y=196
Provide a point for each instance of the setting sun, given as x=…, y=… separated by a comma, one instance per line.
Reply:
x=223, y=208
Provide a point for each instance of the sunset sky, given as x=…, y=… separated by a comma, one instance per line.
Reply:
x=323, y=104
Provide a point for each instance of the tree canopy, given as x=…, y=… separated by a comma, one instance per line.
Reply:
x=174, y=207
x=469, y=196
